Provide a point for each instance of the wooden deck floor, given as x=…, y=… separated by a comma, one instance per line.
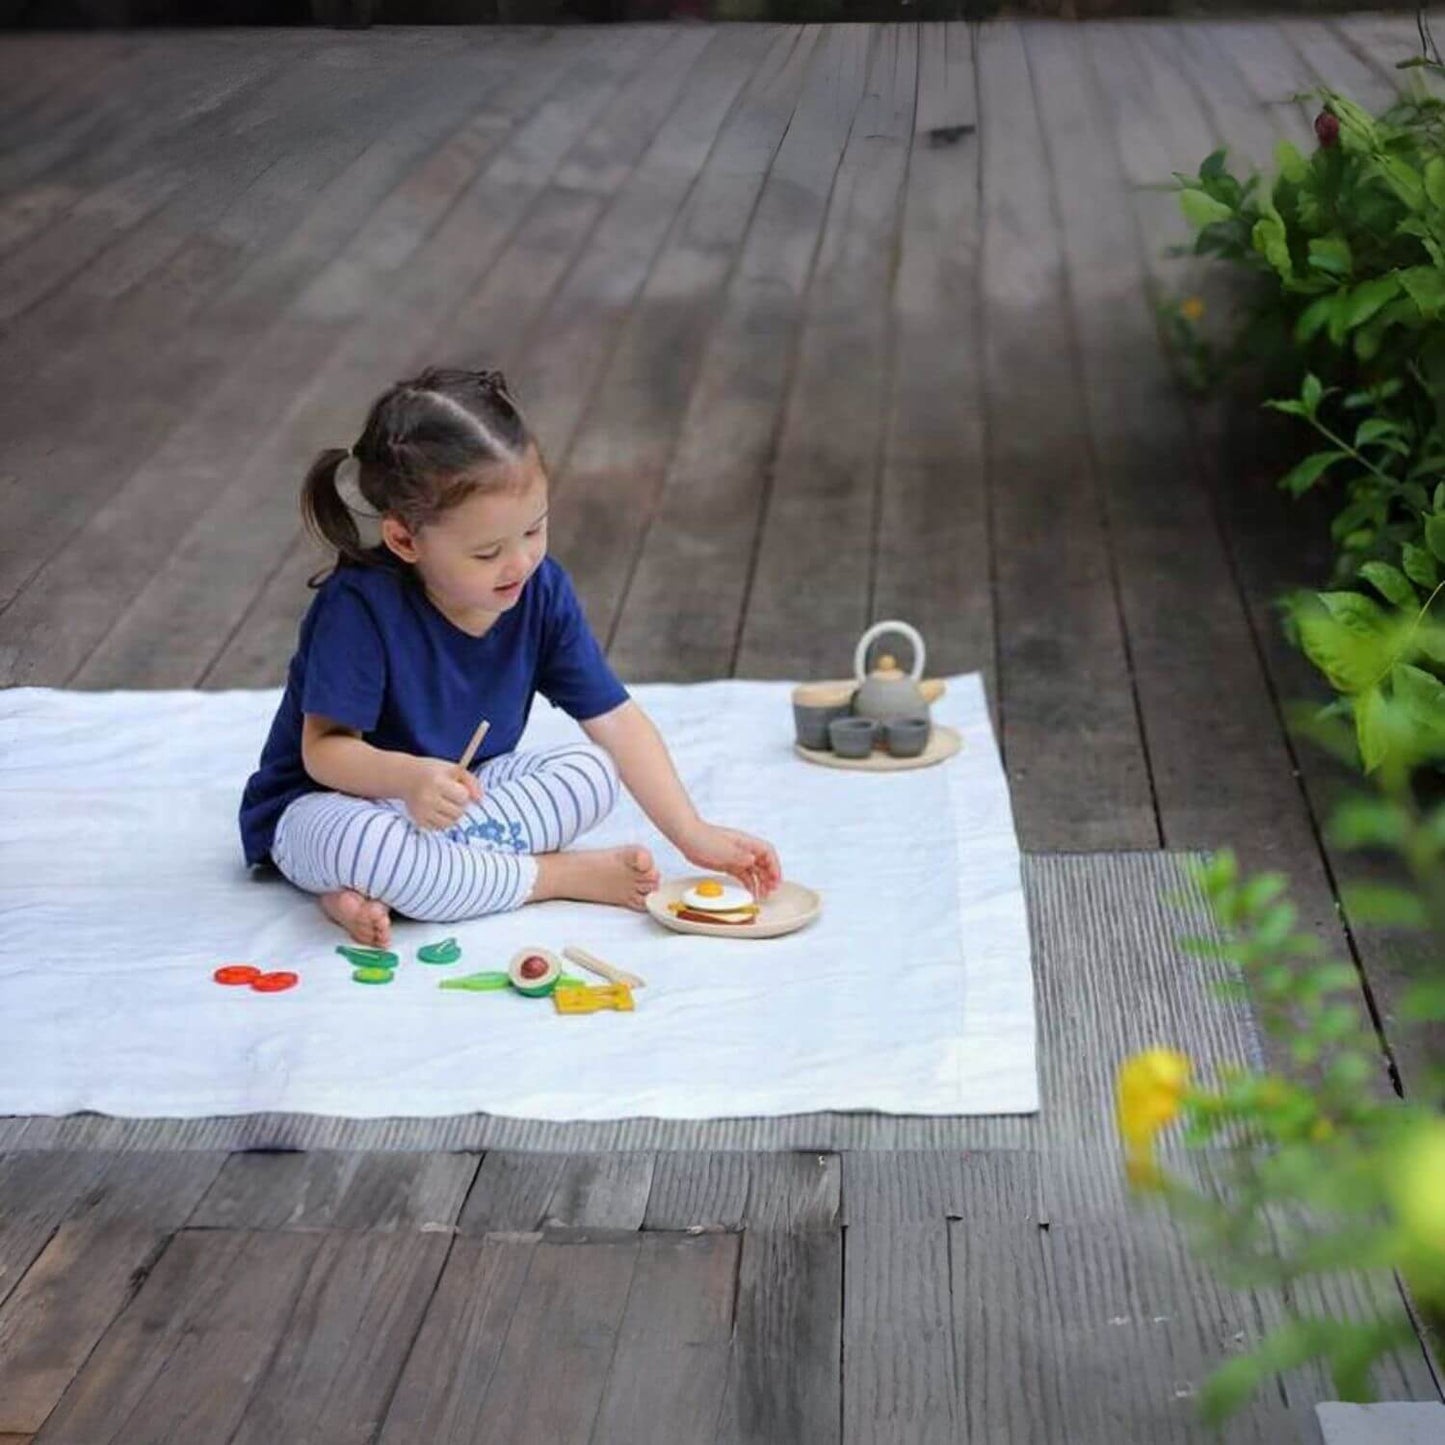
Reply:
x=816, y=325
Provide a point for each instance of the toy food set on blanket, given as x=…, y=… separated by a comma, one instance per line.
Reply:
x=878, y=721
x=533, y=973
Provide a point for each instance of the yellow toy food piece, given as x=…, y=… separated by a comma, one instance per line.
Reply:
x=710, y=889
x=584, y=999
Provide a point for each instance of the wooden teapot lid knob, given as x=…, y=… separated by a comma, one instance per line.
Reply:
x=887, y=666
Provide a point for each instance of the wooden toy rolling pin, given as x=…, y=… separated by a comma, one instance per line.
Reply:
x=593, y=964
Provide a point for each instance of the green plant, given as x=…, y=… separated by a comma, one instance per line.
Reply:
x=1314, y=1166
x=1347, y=247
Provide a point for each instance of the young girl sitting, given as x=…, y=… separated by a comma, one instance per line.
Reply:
x=458, y=614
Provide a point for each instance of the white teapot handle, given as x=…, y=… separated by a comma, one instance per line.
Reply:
x=860, y=657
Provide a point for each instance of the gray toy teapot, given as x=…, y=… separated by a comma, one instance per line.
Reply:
x=888, y=693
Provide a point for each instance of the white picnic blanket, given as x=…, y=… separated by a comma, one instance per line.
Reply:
x=122, y=889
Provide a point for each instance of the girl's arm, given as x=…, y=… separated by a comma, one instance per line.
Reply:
x=646, y=768
x=436, y=792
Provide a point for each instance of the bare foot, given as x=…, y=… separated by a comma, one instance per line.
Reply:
x=624, y=876
x=368, y=922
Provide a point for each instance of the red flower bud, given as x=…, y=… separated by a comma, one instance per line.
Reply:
x=1327, y=128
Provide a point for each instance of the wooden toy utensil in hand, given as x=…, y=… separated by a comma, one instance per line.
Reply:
x=478, y=738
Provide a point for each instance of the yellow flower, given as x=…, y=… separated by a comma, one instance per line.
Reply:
x=1192, y=308
x=1147, y=1094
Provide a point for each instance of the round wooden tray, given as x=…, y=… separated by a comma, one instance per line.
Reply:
x=790, y=908
x=942, y=745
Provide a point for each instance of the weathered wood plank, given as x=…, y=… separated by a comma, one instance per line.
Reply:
x=619, y=460
x=504, y=321
x=562, y=364
x=443, y=1390
x=1070, y=733
x=183, y=1360
x=783, y=1375
x=1276, y=74
x=335, y=1366
x=794, y=1191
x=899, y=1369
x=1339, y=66
x=902, y=1189
x=693, y=575
x=696, y=1189
x=211, y=568
x=583, y=1191
x=511, y=1192
x=83, y=1278
x=931, y=563
x=569, y=1316
x=607, y=1191
x=812, y=582
x=1220, y=768
x=355, y=236
x=332, y=1190
x=1082, y=1332
x=40, y=1191
x=670, y=1367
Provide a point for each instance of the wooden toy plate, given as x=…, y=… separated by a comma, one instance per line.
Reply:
x=943, y=744
x=792, y=907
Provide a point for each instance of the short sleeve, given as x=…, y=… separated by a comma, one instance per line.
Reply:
x=573, y=673
x=345, y=676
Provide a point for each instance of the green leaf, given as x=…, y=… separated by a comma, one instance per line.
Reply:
x=1420, y=567
x=1301, y=477
x=1435, y=181
x=1311, y=392
x=1201, y=209
x=1290, y=408
x=1435, y=532
x=1231, y=1387
x=1349, y=637
x=1369, y=296
x=1314, y=317
x=1262, y=889
x=1292, y=165
x=1213, y=166
x=1424, y=1001
x=1366, y=823
x=1403, y=179
x=1331, y=254
x=1271, y=240
x=1383, y=904
x=1380, y=431
x=1372, y=727
x=1425, y=286
x=1390, y=583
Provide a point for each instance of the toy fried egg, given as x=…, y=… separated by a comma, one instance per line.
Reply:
x=713, y=895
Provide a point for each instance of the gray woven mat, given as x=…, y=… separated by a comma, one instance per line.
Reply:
x=1109, y=978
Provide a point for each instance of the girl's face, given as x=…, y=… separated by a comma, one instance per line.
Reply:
x=474, y=559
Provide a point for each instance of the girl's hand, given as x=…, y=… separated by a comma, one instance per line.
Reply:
x=439, y=793
x=752, y=861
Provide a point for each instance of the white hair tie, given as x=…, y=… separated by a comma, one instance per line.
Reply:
x=348, y=488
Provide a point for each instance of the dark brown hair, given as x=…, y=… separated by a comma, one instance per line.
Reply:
x=428, y=443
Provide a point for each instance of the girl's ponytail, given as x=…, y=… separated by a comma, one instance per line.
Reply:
x=326, y=514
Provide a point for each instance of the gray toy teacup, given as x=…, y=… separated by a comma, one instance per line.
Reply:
x=852, y=737
x=907, y=736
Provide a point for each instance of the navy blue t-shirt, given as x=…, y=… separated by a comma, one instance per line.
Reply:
x=376, y=655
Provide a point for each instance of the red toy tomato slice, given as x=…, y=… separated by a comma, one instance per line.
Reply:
x=234, y=973
x=275, y=982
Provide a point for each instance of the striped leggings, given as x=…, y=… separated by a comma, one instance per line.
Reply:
x=532, y=802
